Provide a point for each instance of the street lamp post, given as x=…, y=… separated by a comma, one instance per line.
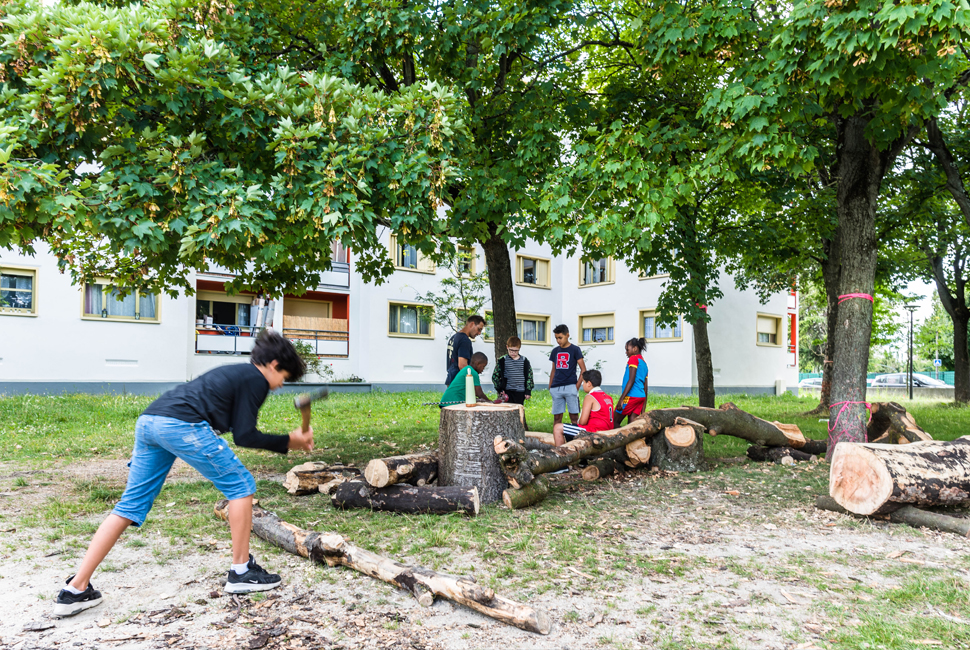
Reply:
x=911, y=309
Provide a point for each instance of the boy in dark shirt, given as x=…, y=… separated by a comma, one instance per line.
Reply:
x=459, y=351
x=185, y=423
x=563, y=382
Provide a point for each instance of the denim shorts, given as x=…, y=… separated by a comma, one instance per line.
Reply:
x=158, y=442
x=564, y=397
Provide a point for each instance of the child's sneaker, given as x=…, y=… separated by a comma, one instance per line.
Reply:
x=69, y=604
x=256, y=578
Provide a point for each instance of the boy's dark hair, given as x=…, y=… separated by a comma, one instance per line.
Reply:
x=514, y=342
x=475, y=318
x=594, y=377
x=640, y=344
x=479, y=357
x=561, y=329
x=271, y=346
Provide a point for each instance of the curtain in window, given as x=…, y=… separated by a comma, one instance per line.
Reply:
x=529, y=275
x=242, y=315
x=146, y=306
x=123, y=307
x=92, y=299
x=409, y=321
x=409, y=256
x=16, y=291
x=648, y=322
x=528, y=330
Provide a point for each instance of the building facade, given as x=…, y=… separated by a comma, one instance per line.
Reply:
x=57, y=337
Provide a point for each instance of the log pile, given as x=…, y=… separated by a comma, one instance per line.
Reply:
x=308, y=478
x=424, y=584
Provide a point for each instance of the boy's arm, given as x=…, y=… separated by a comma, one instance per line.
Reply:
x=588, y=402
x=582, y=368
x=497, y=378
x=529, y=379
x=552, y=373
x=249, y=398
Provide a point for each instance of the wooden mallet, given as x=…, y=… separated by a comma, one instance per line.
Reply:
x=303, y=402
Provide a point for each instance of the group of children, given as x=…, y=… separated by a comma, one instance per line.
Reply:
x=514, y=382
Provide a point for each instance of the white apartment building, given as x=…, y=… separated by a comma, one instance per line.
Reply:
x=56, y=337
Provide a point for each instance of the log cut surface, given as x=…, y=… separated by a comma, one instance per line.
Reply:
x=416, y=469
x=407, y=499
x=868, y=478
x=424, y=584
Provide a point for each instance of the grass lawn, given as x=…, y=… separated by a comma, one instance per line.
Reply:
x=588, y=527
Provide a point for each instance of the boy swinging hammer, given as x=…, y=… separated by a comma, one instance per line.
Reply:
x=186, y=423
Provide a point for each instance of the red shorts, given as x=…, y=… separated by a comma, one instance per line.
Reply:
x=631, y=406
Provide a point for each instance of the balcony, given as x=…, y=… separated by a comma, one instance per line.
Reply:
x=337, y=277
x=234, y=339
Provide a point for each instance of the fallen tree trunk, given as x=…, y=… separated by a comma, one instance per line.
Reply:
x=908, y=515
x=892, y=420
x=408, y=499
x=415, y=469
x=680, y=448
x=867, y=478
x=528, y=495
x=732, y=421
x=776, y=454
x=308, y=477
x=425, y=584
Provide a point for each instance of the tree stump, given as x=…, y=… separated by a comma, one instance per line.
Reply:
x=680, y=448
x=466, y=451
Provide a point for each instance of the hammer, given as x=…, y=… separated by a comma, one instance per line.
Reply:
x=303, y=402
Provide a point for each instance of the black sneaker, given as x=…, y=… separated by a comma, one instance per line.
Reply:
x=255, y=579
x=68, y=604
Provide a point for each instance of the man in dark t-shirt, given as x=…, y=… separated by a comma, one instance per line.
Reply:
x=459, y=351
x=185, y=423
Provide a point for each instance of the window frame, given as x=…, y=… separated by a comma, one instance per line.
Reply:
x=472, y=261
x=16, y=269
x=520, y=271
x=405, y=303
x=120, y=319
x=643, y=313
x=611, y=341
x=779, y=338
x=610, y=272
x=424, y=265
x=521, y=316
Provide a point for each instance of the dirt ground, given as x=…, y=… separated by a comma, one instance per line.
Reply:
x=179, y=604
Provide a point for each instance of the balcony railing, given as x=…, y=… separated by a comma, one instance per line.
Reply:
x=239, y=339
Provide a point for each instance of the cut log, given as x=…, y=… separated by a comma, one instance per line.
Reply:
x=892, y=420
x=815, y=447
x=776, y=454
x=408, y=499
x=425, y=584
x=637, y=453
x=466, y=456
x=680, y=448
x=330, y=486
x=867, y=478
x=415, y=469
x=543, y=437
x=308, y=477
x=529, y=495
x=732, y=421
x=908, y=515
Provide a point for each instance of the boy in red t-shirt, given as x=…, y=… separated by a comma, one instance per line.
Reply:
x=597, y=411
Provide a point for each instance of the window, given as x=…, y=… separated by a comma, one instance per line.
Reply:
x=409, y=258
x=531, y=328
x=596, y=272
x=532, y=272
x=651, y=330
x=597, y=328
x=409, y=320
x=17, y=291
x=338, y=254
x=768, y=328
x=466, y=261
x=102, y=300
x=225, y=309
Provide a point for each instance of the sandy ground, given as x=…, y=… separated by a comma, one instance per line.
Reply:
x=180, y=604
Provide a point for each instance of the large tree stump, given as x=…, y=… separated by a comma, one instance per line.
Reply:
x=466, y=455
x=416, y=469
x=680, y=448
x=867, y=478
x=425, y=584
x=910, y=516
x=408, y=499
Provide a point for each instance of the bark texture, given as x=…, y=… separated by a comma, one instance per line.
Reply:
x=308, y=477
x=407, y=499
x=501, y=285
x=527, y=495
x=731, y=421
x=466, y=455
x=831, y=270
x=910, y=516
x=680, y=448
x=891, y=420
x=416, y=469
x=867, y=478
x=602, y=467
x=335, y=550
x=705, y=364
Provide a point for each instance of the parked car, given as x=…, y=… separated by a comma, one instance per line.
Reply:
x=810, y=382
x=899, y=379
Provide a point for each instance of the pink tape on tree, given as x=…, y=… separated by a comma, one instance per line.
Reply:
x=849, y=296
x=846, y=405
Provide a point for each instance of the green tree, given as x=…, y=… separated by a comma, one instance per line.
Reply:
x=211, y=147
x=460, y=295
x=933, y=338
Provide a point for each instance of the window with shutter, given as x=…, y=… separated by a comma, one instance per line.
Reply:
x=769, y=328
x=597, y=328
x=652, y=330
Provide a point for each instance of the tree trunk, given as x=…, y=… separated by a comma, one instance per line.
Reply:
x=908, y=515
x=408, y=499
x=308, y=477
x=705, y=364
x=731, y=421
x=961, y=356
x=891, y=420
x=680, y=448
x=425, y=584
x=831, y=270
x=416, y=469
x=501, y=285
x=527, y=495
x=869, y=479
x=860, y=170
x=466, y=455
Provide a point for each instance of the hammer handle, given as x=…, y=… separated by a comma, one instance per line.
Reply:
x=305, y=412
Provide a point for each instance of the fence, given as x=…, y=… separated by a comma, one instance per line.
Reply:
x=239, y=339
x=945, y=376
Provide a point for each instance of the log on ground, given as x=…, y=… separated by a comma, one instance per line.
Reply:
x=909, y=515
x=638, y=453
x=308, y=477
x=732, y=421
x=680, y=448
x=606, y=465
x=778, y=454
x=425, y=584
x=528, y=495
x=867, y=478
x=891, y=420
x=415, y=469
x=407, y=499
x=466, y=455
